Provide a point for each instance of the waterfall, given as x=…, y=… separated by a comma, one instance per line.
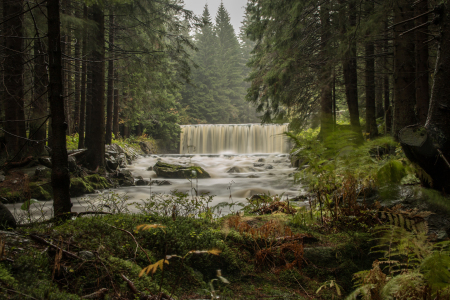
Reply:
x=233, y=138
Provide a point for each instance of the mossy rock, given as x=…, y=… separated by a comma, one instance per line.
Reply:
x=87, y=185
x=41, y=191
x=176, y=171
x=80, y=187
x=97, y=182
x=10, y=196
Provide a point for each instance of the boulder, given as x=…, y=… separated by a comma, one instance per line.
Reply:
x=41, y=191
x=43, y=172
x=269, y=167
x=141, y=182
x=160, y=182
x=7, y=219
x=79, y=187
x=177, y=171
x=256, y=165
x=261, y=160
x=150, y=168
x=234, y=170
x=125, y=178
x=2, y=178
x=112, y=163
x=72, y=164
x=45, y=161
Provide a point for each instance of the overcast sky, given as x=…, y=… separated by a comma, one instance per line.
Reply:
x=234, y=7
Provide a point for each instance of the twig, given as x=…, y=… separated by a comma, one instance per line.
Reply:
x=41, y=240
x=137, y=244
x=416, y=17
x=98, y=294
x=9, y=290
x=443, y=157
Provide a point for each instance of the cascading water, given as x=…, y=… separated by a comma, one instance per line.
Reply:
x=235, y=138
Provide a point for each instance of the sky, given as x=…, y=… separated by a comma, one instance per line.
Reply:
x=234, y=7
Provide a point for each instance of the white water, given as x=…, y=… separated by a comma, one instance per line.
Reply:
x=273, y=181
x=235, y=138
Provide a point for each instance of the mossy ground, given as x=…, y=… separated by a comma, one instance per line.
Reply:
x=116, y=254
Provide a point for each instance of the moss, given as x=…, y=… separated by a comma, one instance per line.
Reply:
x=10, y=196
x=79, y=187
x=97, y=182
x=132, y=270
x=40, y=191
x=176, y=171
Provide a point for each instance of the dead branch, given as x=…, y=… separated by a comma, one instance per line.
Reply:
x=18, y=164
x=98, y=294
x=41, y=240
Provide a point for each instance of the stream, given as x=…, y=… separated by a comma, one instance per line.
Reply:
x=250, y=174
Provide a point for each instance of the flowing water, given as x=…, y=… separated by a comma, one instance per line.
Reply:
x=236, y=139
x=234, y=177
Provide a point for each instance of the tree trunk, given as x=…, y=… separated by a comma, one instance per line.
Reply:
x=82, y=123
x=38, y=128
x=76, y=116
x=371, y=122
x=429, y=146
x=89, y=95
x=116, y=114
x=13, y=77
x=110, y=97
x=349, y=66
x=325, y=76
x=60, y=172
x=404, y=68
x=386, y=87
x=422, y=76
x=96, y=153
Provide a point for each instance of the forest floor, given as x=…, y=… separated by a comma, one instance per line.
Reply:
x=262, y=257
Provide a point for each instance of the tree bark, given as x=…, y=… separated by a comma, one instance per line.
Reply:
x=60, y=172
x=325, y=76
x=38, y=130
x=349, y=65
x=110, y=97
x=404, y=68
x=371, y=122
x=13, y=77
x=116, y=114
x=82, y=122
x=422, y=76
x=76, y=116
x=96, y=153
x=429, y=146
x=386, y=86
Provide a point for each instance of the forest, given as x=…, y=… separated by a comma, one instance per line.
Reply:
x=147, y=152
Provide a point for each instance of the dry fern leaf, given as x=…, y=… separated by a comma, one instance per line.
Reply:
x=152, y=268
x=149, y=226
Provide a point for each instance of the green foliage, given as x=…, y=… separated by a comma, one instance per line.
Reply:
x=414, y=267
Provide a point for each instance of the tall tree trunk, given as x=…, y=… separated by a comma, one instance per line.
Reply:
x=60, y=172
x=13, y=77
x=116, y=114
x=89, y=96
x=76, y=117
x=371, y=122
x=386, y=86
x=110, y=97
x=429, y=146
x=349, y=65
x=422, y=76
x=82, y=123
x=325, y=76
x=404, y=68
x=96, y=153
x=38, y=129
